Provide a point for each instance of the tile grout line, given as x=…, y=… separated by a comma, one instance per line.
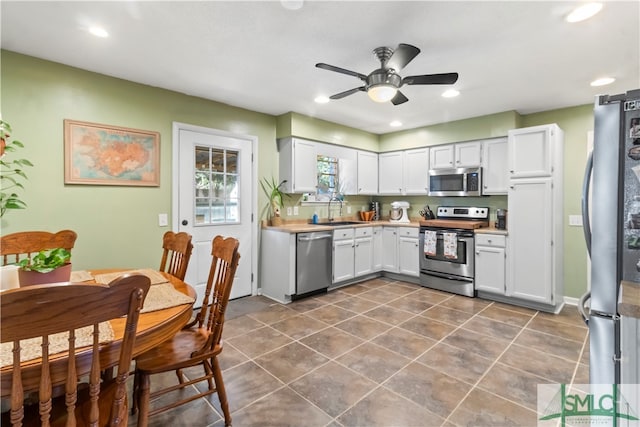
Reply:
x=475, y=386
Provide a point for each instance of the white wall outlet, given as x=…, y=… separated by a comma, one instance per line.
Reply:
x=348, y=209
x=575, y=220
x=289, y=212
x=296, y=211
x=163, y=220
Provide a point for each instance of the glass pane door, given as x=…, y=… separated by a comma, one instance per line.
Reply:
x=217, y=198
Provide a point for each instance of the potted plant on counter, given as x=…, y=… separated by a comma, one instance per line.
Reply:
x=49, y=266
x=275, y=196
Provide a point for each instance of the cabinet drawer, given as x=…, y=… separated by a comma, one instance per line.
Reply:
x=408, y=232
x=343, y=233
x=364, y=231
x=496, y=240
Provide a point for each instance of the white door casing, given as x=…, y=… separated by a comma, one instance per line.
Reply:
x=241, y=224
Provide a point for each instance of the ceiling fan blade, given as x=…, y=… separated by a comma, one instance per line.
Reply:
x=341, y=70
x=347, y=93
x=403, y=54
x=431, y=79
x=399, y=99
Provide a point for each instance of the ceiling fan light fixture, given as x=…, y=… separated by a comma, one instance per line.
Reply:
x=382, y=92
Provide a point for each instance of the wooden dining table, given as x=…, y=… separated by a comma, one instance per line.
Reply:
x=153, y=328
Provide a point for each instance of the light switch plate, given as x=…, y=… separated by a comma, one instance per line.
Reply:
x=575, y=220
x=163, y=220
x=348, y=209
x=289, y=211
x=296, y=211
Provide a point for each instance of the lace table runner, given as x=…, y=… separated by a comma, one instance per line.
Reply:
x=58, y=343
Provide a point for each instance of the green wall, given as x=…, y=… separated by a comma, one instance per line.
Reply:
x=117, y=226
x=294, y=124
x=490, y=126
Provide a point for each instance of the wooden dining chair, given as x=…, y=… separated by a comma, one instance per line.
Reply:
x=38, y=312
x=176, y=253
x=25, y=244
x=199, y=345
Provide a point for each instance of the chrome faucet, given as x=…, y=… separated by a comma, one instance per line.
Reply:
x=329, y=217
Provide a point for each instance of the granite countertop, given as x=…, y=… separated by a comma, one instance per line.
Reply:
x=300, y=226
x=629, y=302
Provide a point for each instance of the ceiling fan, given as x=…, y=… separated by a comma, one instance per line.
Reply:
x=383, y=84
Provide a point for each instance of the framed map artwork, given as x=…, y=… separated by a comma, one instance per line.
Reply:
x=109, y=155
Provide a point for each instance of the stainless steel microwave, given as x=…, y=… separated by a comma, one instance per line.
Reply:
x=455, y=182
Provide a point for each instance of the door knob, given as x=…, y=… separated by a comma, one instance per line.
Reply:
x=185, y=222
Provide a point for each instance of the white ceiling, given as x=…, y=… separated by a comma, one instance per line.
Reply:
x=260, y=56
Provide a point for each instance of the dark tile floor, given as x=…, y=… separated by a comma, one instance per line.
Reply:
x=387, y=353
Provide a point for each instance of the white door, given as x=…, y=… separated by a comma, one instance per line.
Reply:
x=215, y=197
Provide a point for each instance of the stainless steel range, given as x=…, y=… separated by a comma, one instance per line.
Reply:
x=447, y=248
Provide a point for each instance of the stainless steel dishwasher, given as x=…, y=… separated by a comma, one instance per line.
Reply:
x=313, y=263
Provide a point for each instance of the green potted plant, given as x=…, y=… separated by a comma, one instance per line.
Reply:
x=275, y=195
x=11, y=173
x=48, y=266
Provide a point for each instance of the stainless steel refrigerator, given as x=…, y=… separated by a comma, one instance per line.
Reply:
x=612, y=226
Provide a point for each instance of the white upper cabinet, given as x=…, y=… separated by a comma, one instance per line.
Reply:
x=530, y=151
x=494, y=166
x=404, y=172
x=367, y=173
x=460, y=155
x=468, y=154
x=298, y=167
x=390, y=179
x=416, y=171
x=441, y=157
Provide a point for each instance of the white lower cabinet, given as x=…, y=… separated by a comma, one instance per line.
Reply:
x=532, y=252
x=352, y=253
x=363, y=251
x=377, y=249
x=408, y=252
x=390, y=249
x=490, y=263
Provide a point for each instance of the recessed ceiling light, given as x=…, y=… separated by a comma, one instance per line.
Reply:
x=292, y=4
x=395, y=123
x=99, y=32
x=583, y=12
x=321, y=99
x=450, y=93
x=603, y=81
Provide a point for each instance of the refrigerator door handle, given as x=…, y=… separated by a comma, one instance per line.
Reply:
x=582, y=309
x=586, y=184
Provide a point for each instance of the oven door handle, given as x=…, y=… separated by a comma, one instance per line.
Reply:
x=447, y=276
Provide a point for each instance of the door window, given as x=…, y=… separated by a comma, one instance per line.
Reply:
x=217, y=198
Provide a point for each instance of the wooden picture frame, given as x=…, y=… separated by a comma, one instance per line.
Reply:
x=98, y=154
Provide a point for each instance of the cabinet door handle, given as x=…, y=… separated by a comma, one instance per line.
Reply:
x=511, y=171
x=477, y=252
x=489, y=240
x=512, y=187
